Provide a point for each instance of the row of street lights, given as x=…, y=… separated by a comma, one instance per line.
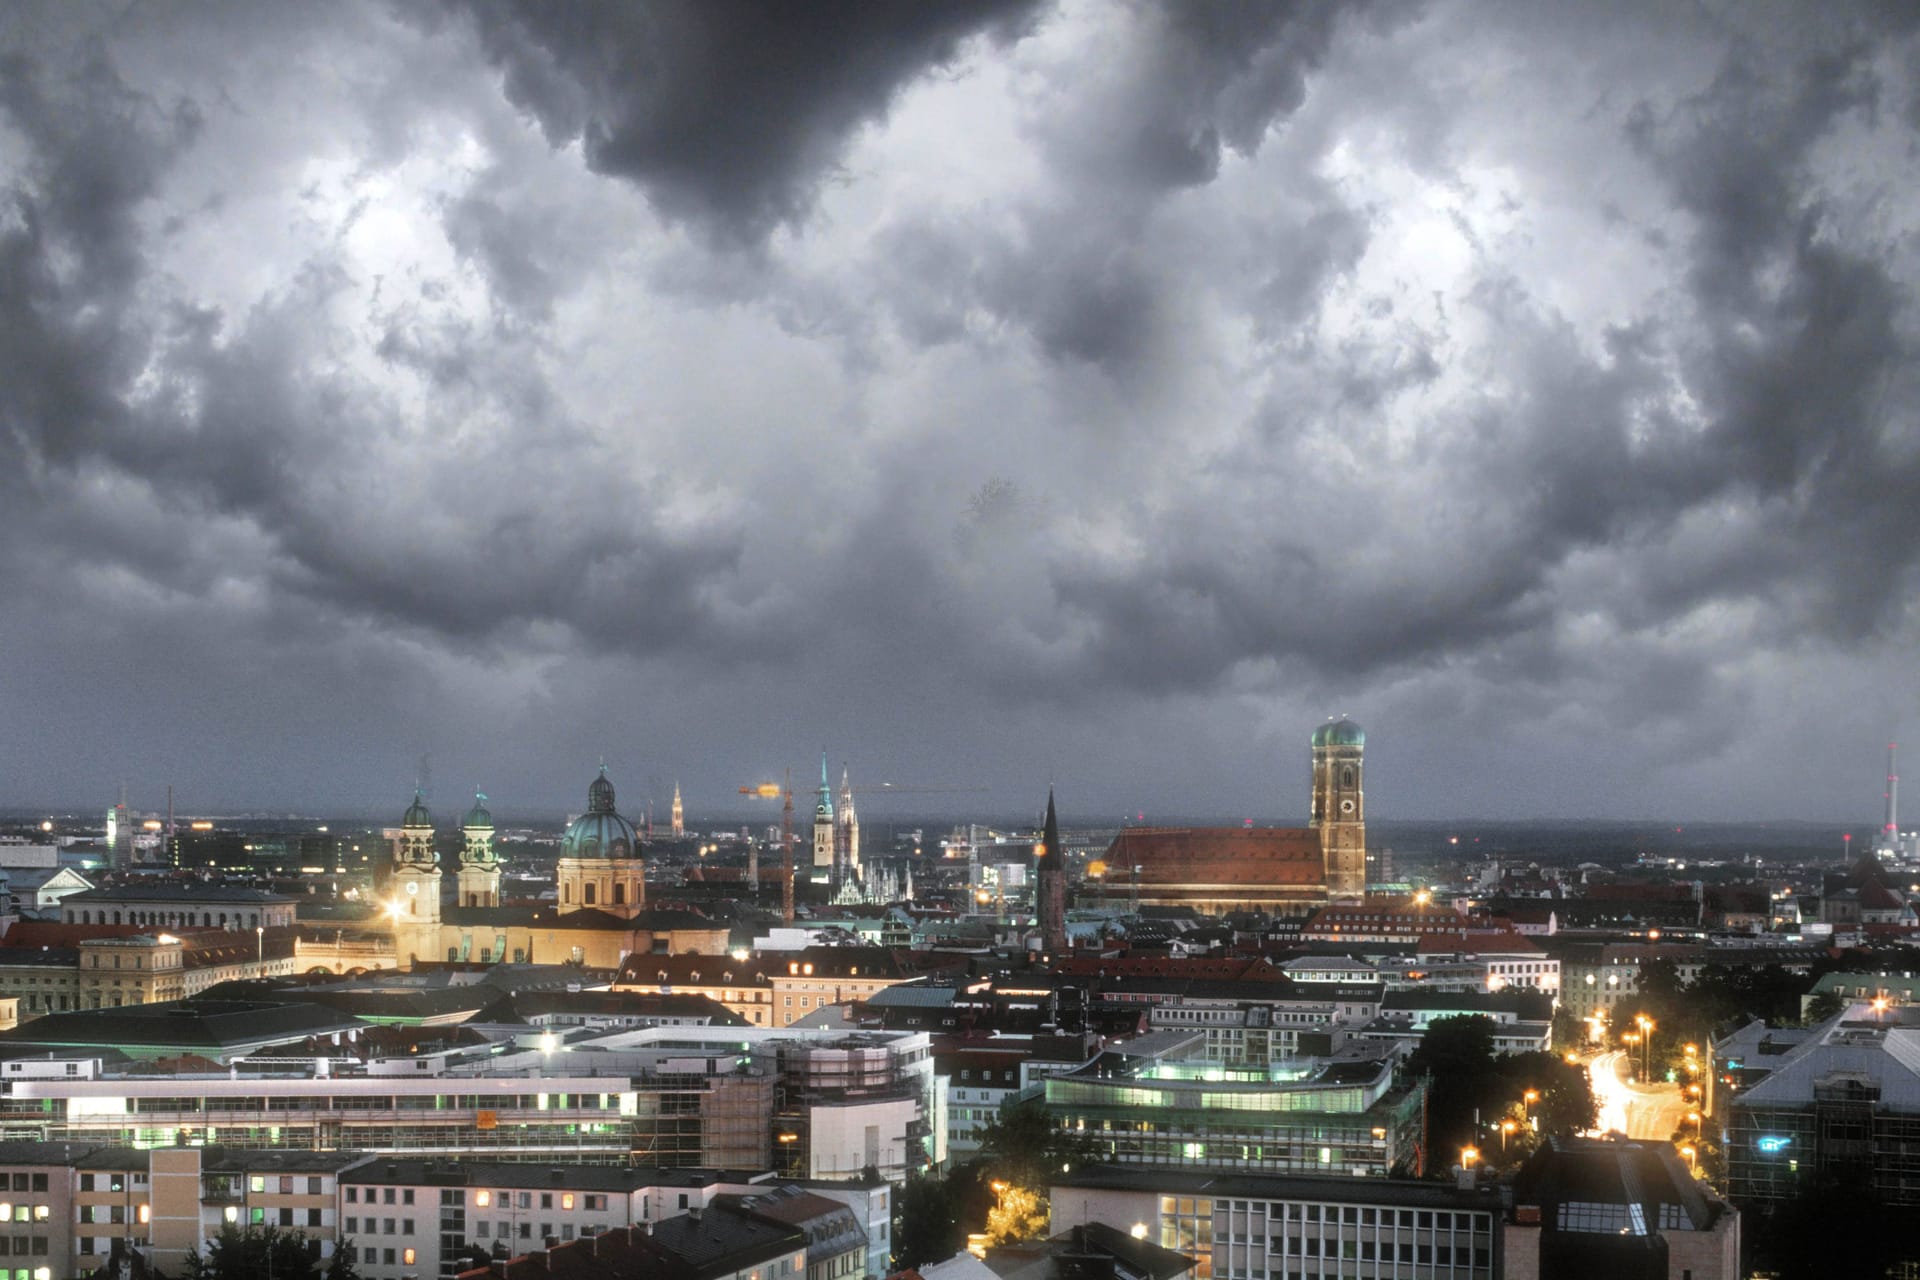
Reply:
x=1469, y=1155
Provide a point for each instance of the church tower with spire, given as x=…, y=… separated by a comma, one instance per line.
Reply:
x=479, y=878
x=1052, y=876
x=823, y=828
x=415, y=908
x=846, y=831
x=679, y=814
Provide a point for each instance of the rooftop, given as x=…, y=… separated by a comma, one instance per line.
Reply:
x=1400, y=1192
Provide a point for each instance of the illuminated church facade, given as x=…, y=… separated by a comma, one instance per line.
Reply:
x=598, y=918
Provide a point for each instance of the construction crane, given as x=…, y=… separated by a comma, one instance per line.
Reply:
x=783, y=792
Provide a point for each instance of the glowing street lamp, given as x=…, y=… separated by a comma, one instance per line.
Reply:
x=1691, y=1154
x=1468, y=1155
x=1507, y=1127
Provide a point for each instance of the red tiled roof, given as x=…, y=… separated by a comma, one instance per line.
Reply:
x=1639, y=891
x=1230, y=968
x=52, y=933
x=1218, y=855
x=1483, y=941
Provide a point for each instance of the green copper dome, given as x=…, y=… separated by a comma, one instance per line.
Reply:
x=417, y=815
x=600, y=832
x=1339, y=733
x=478, y=817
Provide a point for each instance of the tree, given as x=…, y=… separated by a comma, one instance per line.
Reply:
x=1565, y=1106
x=1467, y=1080
x=925, y=1228
x=237, y=1254
x=1456, y=1056
x=1020, y=1213
x=1569, y=1031
x=1023, y=1146
x=341, y=1265
x=1823, y=1006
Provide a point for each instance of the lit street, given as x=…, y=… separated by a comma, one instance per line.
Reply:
x=1637, y=1110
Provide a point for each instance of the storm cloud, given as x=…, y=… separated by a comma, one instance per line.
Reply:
x=987, y=393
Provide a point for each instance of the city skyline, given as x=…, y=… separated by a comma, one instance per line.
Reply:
x=991, y=394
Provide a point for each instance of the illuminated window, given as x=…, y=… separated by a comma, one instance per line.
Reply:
x=482, y=1198
x=566, y=1200
x=406, y=1256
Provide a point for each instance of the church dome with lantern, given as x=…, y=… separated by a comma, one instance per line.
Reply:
x=600, y=832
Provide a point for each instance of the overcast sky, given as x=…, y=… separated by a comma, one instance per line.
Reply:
x=987, y=393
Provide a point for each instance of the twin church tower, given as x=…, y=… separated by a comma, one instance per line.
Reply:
x=601, y=870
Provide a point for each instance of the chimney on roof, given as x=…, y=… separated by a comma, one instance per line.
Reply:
x=693, y=1214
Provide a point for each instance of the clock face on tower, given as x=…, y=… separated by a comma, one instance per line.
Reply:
x=413, y=886
x=1346, y=806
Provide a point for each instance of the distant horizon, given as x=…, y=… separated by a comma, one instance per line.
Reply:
x=14, y=815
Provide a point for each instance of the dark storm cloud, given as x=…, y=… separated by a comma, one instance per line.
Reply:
x=1119, y=390
x=1197, y=79
x=69, y=254
x=727, y=111
x=1801, y=374
x=1806, y=372
x=129, y=429
x=1084, y=268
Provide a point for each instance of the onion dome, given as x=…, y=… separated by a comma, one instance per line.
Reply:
x=417, y=815
x=1339, y=733
x=600, y=832
x=477, y=817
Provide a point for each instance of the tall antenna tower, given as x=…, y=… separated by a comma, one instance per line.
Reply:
x=1890, y=834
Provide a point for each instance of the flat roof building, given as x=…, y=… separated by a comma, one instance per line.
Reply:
x=1252, y=1226
x=1159, y=1100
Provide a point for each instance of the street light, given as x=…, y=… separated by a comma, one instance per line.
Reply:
x=1506, y=1128
x=260, y=938
x=1527, y=1101
x=1468, y=1155
x=1646, y=1026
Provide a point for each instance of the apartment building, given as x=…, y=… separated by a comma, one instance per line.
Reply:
x=438, y=1218
x=1247, y=1226
x=672, y=1096
x=775, y=990
x=77, y=1209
